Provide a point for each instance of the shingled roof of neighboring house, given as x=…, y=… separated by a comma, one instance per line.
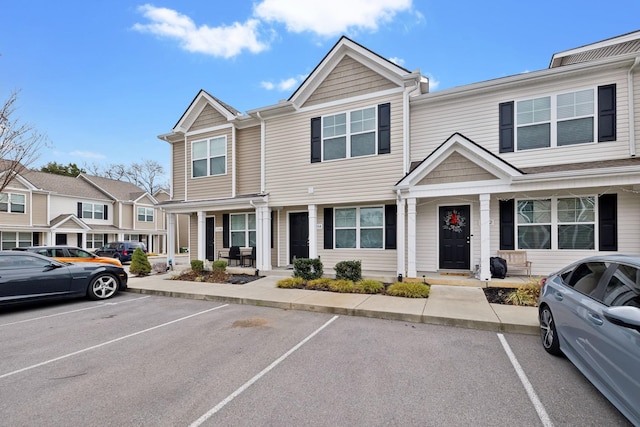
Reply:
x=63, y=185
x=119, y=190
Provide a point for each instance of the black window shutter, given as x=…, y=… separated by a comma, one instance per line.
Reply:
x=608, y=222
x=390, y=213
x=384, y=128
x=79, y=239
x=79, y=210
x=607, y=113
x=106, y=211
x=105, y=238
x=506, y=127
x=272, y=227
x=225, y=230
x=316, y=140
x=328, y=228
x=507, y=225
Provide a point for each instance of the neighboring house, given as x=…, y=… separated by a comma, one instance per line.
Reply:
x=362, y=162
x=39, y=208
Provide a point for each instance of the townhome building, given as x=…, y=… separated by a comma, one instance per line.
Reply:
x=364, y=162
x=39, y=208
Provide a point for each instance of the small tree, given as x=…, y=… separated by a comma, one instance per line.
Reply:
x=140, y=265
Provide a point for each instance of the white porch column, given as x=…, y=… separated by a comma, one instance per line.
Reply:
x=202, y=243
x=400, y=237
x=313, y=231
x=263, y=237
x=485, y=237
x=170, y=248
x=411, y=238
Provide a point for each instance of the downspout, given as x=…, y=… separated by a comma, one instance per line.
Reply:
x=406, y=123
x=233, y=164
x=263, y=144
x=632, y=127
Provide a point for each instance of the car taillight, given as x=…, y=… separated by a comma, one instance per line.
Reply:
x=543, y=282
x=124, y=252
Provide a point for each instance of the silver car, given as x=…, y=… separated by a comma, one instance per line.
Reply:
x=590, y=312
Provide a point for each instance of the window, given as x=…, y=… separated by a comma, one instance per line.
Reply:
x=352, y=137
x=359, y=227
x=92, y=211
x=11, y=239
x=554, y=121
x=623, y=287
x=10, y=202
x=243, y=229
x=145, y=214
x=209, y=157
x=557, y=223
x=132, y=237
x=95, y=241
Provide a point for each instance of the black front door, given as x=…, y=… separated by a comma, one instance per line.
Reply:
x=61, y=239
x=298, y=235
x=455, y=247
x=210, y=229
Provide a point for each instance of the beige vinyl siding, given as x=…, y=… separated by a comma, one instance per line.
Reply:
x=456, y=168
x=39, y=209
x=127, y=216
x=209, y=187
x=292, y=179
x=248, y=164
x=179, y=176
x=9, y=218
x=475, y=115
x=348, y=79
x=209, y=117
x=193, y=237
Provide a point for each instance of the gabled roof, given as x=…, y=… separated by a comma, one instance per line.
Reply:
x=201, y=100
x=117, y=190
x=476, y=154
x=63, y=219
x=63, y=185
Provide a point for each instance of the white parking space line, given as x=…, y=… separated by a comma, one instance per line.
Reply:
x=84, y=350
x=74, y=311
x=262, y=373
x=533, y=397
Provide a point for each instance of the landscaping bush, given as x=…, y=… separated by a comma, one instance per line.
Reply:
x=409, y=290
x=369, y=287
x=220, y=265
x=342, y=286
x=321, y=284
x=291, y=282
x=307, y=268
x=526, y=295
x=197, y=265
x=140, y=265
x=349, y=270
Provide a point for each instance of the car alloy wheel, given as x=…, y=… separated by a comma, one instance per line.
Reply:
x=548, y=332
x=102, y=287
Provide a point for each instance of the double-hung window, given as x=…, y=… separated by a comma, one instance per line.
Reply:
x=145, y=214
x=555, y=121
x=209, y=157
x=95, y=241
x=92, y=211
x=557, y=223
x=350, y=134
x=359, y=227
x=12, y=239
x=10, y=202
x=243, y=229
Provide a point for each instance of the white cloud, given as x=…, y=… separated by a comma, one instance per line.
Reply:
x=397, y=61
x=87, y=155
x=433, y=83
x=223, y=41
x=330, y=17
x=283, y=85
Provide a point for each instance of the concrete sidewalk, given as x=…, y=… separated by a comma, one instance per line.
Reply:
x=464, y=306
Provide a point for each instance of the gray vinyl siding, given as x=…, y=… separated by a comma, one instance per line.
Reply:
x=209, y=187
x=348, y=79
x=209, y=117
x=248, y=165
x=475, y=115
x=290, y=175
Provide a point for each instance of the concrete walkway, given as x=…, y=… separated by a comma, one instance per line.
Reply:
x=448, y=304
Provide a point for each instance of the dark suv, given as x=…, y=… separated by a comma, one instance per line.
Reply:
x=120, y=250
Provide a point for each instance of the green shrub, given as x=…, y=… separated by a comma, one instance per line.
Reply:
x=307, y=268
x=197, y=265
x=291, y=282
x=140, y=264
x=349, y=270
x=321, y=284
x=526, y=295
x=369, y=287
x=409, y=290
x=342, y=286
x=220, y=265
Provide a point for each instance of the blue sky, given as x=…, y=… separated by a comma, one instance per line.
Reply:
x=102, y=79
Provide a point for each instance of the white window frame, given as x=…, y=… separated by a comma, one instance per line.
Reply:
x=247, y=230
x=18, y=239
x=358, y=227
x=349, y=133
x=94, y=240
x=553, y=119
x=208, y=156
x=11, y=199
x=147, y=214
x=95, y=209
x=555, y=222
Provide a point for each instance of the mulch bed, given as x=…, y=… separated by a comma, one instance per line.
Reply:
x=211, y=277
